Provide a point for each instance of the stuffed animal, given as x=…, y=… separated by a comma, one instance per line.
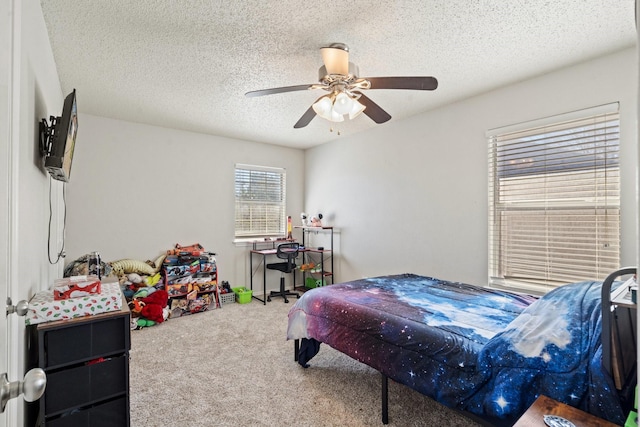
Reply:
x=307, y=267
x=152, y=280
x=316, y=221
x=128, y=290
x=144, y=292
x=141, y=322
x=135, y=305
x=157, y=264
x=126, y=266
x=134, y=278
x=151, y=309
x=154, y=305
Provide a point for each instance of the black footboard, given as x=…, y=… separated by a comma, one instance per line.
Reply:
x=619, y=325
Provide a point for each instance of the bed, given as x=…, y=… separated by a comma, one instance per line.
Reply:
x=485, y=352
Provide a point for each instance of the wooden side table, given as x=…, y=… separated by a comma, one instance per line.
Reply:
x=546, y=406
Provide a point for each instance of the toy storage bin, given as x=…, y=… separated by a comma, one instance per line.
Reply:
x=243, y=295
x=311, y=283
x=227, y=298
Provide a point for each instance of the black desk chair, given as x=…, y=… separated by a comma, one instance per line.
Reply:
x=288, y=251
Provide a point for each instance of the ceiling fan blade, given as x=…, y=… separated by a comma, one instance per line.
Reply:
x=413, y=83
x=305, y=119
x=373, y=110
x=275, y=90
x=336, y=58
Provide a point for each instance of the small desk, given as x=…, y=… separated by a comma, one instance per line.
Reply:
x=264, y=253
x=547, y=406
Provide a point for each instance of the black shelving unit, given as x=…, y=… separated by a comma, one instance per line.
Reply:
x=320, y=257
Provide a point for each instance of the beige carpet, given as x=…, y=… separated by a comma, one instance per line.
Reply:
x=233, y=367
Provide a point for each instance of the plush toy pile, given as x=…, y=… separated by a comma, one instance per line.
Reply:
x=148, y=286
x=148, y=303
x=141, y=284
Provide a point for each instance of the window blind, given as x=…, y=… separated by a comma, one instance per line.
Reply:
x=554, y=201
x=260, y=194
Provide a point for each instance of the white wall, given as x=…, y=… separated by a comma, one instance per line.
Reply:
x=137, y=190
x=411, y=195
x=40, y=97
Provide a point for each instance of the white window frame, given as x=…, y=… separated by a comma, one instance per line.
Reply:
x=260, y=201
x=554, y=200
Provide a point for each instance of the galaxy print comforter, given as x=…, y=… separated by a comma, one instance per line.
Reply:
x=488, y=352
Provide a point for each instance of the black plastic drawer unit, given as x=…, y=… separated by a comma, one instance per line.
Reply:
x=87, y=365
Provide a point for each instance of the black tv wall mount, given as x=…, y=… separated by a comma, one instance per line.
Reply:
x=46, y=133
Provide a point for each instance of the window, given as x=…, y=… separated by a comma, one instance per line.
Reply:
x=554, y=200
x=260, y=201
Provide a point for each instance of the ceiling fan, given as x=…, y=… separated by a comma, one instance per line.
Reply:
x=339, y=78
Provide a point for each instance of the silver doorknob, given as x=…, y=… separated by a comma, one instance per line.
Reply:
x=21, y=308
x=33, y=385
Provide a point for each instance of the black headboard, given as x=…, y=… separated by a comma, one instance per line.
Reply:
x=619, y=322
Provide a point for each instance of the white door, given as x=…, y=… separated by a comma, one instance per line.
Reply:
x=9, y=416
x=638, y=168
x=14, y=384
x=5, y=78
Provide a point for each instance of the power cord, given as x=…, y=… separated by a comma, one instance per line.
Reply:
x=61, y=254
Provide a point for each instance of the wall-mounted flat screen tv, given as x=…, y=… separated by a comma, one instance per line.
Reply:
x=62, y=140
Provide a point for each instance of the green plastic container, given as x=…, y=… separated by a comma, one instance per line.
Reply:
x=243, y=295
x=311, y=283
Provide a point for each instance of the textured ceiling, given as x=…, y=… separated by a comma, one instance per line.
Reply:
x=186, y=64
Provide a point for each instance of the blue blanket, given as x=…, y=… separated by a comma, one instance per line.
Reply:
x=471, y=348
x=553, y=348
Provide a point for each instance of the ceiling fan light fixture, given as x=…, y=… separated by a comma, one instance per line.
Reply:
x=343, y=103
x=324, y=107
x=336, y=105
x=336, y=58
x=335, y=117
x=356, y=110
